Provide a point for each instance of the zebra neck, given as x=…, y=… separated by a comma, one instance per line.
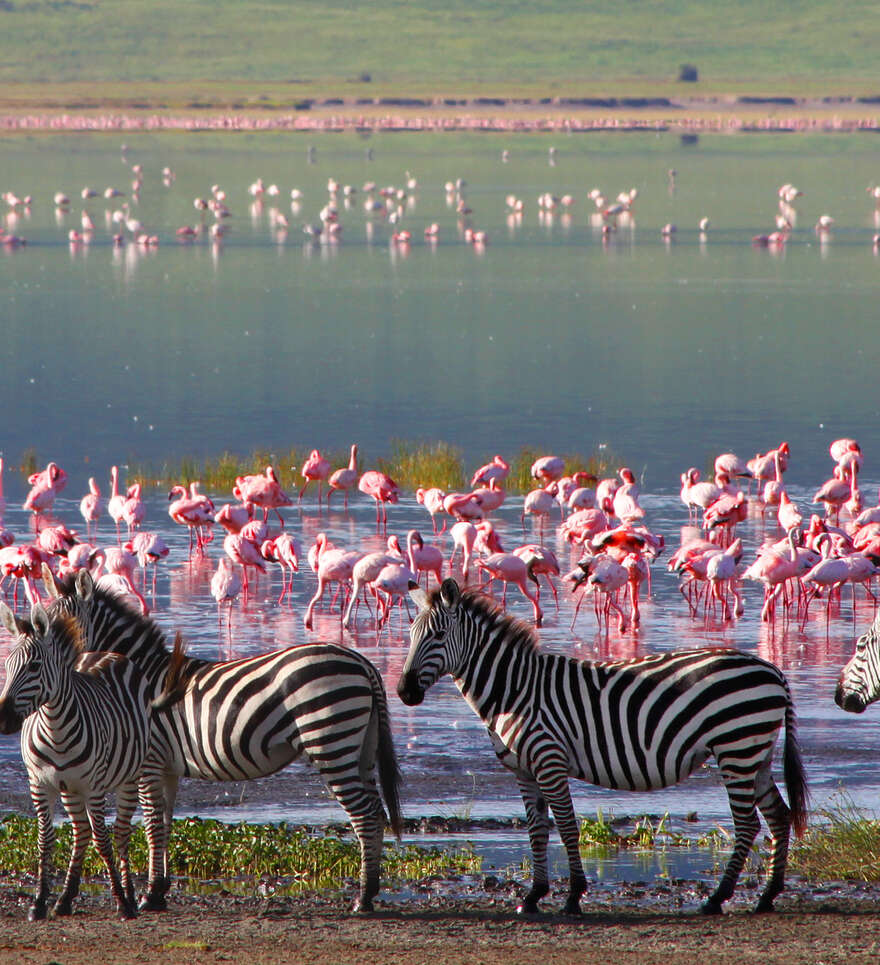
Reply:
x=54, y=713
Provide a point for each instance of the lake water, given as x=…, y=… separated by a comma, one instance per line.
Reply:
x=665, y=353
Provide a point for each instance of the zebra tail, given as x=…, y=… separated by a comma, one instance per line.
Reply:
x=176, y=679
x=390, y=777
x=793, y=769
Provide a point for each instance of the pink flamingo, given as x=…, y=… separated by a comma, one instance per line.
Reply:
x=787, y=514
x=314, y=469
x=23, y=564
x=725, y=513
x=732, y=465
x=721, y=574
x=548, y=469
x=423, y=558
x=245, y=552
x=342, y=480
x=582, y=497
x=583, y=525
x=432, y=500
x=764, y=467
x=225, y=587
x=540, y=560
x=365, y=571
x=638, y=571
x=382, y=488
x=511, y=569
x=625, y=502
x=149, y=548
x=91, y=506
x=539, y=503
x=498, y=469
x=603, y=576
x=133, y=509
x=697, y=495
x=120, y=564
x=116, y=501
x=285, y=551
x=464, y=535
x=264, y=491
x=231, y=518
x=489, y=497
x=192, y=513
x=830, y=573
x=332, y=566
x=393, y=583
x=837, y=490
x=57, y=540
x=45, y=486
x=463, y=506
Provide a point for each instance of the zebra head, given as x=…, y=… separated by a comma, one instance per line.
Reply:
x=430, y=654
x=35, y=666
x=859, y=682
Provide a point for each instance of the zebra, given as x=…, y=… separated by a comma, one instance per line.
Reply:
x=859, y=682
x=84, y=720
x=635, y=725
x=241, y=719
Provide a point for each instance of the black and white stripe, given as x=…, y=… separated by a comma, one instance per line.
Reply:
x=242, y=719
x=636, y=725
x=84, y=721
x=859, y=682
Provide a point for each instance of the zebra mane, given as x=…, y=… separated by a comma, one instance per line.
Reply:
x=65, y=630
x=511, y=631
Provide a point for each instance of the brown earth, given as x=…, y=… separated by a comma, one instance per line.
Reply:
x=428, y=927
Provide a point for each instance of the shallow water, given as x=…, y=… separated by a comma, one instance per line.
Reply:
x=664, y=353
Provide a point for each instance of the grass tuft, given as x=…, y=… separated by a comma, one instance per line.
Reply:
x=844, y=844
x=209, y=849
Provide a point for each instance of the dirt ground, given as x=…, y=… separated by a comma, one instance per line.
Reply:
x=431, y=928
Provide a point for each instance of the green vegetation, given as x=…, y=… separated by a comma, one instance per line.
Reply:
x=844, y=844
x=644, y=833
x=410, y=465
x=272, y=53
x=205, y=849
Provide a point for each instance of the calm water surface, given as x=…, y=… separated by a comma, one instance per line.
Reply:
x=665, y=353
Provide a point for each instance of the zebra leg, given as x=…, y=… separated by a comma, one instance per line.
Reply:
x=95, y=808
x=778, y=817
x=43, y=805
x=126, y=801
x=364, y=808
x=75, y=806
x=538, y=821
x=741, y=793
x=553, y=782
x=157, y=792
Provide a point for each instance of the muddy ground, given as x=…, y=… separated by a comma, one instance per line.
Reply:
x=634, y=923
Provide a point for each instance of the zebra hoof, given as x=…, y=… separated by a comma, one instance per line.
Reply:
x=125, y=911
x=711, y=906
x=37, y=911
x=528, y=907
x=151, y=902
x=63, y=908
x=363, y=906
x=764, y=906
x=573, y=907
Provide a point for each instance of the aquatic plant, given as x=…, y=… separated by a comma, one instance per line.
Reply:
x=842, y=843
x=645, y=833
x=207, y=849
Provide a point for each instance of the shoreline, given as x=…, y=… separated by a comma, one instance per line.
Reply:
x=561, y=114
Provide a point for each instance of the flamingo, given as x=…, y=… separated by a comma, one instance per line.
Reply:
x=603, y=575
x=45, y=486
x=149, y=549
x=285, y=551
x=498, y=469
x=511, y=569
x=116, y=501
x=194, y=513
x=225, y=587
x=463, y=506
x=464, y=535
x=91, y=506
x=230, y=517
x=432, y=500
x=393, y=582
x=423, y=558
x=344, y=479
x=583, y=525
x=721, y=574
x=57, y=540
x=314, y=469
x=548, y=469
x=625, y=501
x=539, y=503
x=264, y=491
x=489, y=497
x=382, y=488
x=332, y=566
x=730, y=463
x=133, y=509
x=365, y=571
x=245, y=552
x=539, y=559
x=120, y=564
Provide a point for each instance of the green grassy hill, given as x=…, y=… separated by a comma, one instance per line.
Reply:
x=283, y=49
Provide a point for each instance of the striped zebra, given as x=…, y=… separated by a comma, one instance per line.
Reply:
x=859, y=682
x=242, y=719
x=84, y=720
x=635, y=725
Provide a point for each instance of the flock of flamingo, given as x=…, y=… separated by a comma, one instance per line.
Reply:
x=602, y=520
x=391, y=205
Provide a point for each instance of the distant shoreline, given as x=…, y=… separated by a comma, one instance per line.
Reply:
x=721, y=114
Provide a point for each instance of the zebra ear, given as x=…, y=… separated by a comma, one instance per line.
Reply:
x=85, y=584
x=450, y=594
x=8, y=619
x=40, y=619
x=418, y=596
x=49, y=581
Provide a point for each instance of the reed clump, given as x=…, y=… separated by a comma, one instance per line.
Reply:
x=209, y=849
x=644, y=833
x=842, y=844
x=425, y=464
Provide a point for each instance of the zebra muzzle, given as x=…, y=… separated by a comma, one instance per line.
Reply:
x=10, y=721
x=849, y=701
x=409, y=691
